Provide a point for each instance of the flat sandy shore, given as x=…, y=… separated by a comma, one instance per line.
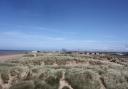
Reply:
x=9, y=57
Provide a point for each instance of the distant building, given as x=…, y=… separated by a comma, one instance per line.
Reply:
x=35, y=52
x=92, y=53
x=97, y=53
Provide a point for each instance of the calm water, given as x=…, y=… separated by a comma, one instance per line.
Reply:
x=9, y=52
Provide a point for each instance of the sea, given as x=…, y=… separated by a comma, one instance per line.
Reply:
x=12, y=52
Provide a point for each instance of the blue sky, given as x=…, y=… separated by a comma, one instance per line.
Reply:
x=71, y=24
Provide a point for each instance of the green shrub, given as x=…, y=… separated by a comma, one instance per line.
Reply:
x=85, y=79
x=23, y=85
x=51, y=80
x=42, y=85
x=5, y=77
x=115, y=80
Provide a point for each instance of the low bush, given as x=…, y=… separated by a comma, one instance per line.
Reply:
x=23, y=85
x=82, y=79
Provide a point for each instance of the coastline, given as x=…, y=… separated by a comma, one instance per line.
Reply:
x=9, y=57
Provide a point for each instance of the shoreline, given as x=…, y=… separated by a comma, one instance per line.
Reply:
x=9, y=57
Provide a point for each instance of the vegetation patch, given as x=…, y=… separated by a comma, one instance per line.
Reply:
x=51, y=70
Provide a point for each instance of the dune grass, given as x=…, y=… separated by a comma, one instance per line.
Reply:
x=46, y=71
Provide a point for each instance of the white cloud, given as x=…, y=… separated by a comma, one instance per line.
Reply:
x=18, y=39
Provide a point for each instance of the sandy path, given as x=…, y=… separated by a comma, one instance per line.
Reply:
x=63, y=82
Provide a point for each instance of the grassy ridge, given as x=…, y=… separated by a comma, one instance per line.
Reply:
x=64, y=71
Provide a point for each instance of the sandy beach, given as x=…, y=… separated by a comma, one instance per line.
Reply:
x=9, y=57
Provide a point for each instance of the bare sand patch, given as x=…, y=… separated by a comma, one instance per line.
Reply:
x=10, y=57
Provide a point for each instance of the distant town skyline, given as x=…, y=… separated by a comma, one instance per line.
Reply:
x=69, y=24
